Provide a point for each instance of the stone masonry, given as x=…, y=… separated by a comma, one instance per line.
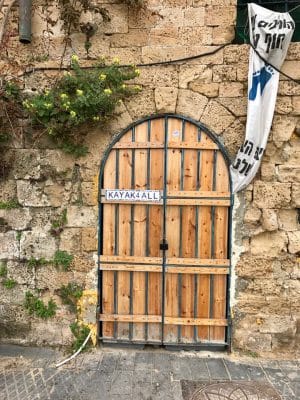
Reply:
x=211, y=89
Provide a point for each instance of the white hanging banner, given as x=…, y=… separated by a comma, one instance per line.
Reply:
x=270, y=33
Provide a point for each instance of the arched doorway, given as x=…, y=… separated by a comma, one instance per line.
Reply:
x=164, y=236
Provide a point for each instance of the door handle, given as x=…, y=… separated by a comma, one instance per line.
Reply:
x=164, y=245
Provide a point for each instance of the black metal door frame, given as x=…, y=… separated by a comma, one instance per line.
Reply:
x=163, y=248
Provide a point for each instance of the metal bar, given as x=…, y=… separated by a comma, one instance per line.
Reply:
x=195, y=306
x=228, y=280
x=25, y=21
x=131, y=233
x=116, y=249
x=147, y=250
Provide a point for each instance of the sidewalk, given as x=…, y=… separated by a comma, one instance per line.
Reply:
x=28, y=373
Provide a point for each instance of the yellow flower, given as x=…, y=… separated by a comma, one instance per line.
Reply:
x=73, y=114
x=26, y=104
x=50, y=131
x=107, y=91
x=116, y=60
x=137, y=72
x=137, y=87
x=74, y=58
x=102, y=77
x=79, y=92
x=48, y=105
x=96, y=118
x=63, y=96
x=123, y=86
x=67, y=73
x=47, y=92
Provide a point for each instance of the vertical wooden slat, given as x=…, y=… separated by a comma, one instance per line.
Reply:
x=108, y=246
x=139, y=244
x=157, y=134
x=220, y=245
x=188, y=231
x=204, y=236
x=123, y=293
x=172, y=227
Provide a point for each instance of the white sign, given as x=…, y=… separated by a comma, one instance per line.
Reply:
x=152, y=196
x=270, y=34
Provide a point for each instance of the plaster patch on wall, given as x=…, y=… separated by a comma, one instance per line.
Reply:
x=87, y=307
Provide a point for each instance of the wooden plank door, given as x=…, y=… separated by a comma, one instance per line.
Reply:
x=175, y=294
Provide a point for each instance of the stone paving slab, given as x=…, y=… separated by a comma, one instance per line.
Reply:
x=111, y=374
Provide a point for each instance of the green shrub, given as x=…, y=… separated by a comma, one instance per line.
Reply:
x=35, y=306
x=70, y=294
x=9, y=283
x=80, y=333
x=62, y=259
x=36, y=262
x=3, y=270
x=8, y=205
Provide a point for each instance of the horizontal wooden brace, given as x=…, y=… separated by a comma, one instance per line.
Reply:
x=131, y=267
x=198, y=194
x=197, y=270
x=167, y=320
x=198, y=202
x=170, y=145
x=195, y=321
x=198, y=261
x=130, y=259
x=130, y=318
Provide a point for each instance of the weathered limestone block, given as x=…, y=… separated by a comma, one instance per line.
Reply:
x=209, y=59
x=118, y=14
x=252, y=341
x=288, y=88
x=170, y=16
x=194, y=74
x=32, y=194
x=277, y=324
x=154, y=77
x=21, y=273
x=50, y=333
x=8, y=190
x=222, y=34
x=283, y=105
x=237, y=106
x=269, y=244
x=14, y=323
x=166, y=35
x=133, y=38
x=206, y=89
x=89, y=239
x=70, y=240
x=126, y=55
x=48, y=277
x=9, y=248
x=194, y=16
x=283, y=128
x=165, y=99
x=236, y=54
x=162, y=53
x=37, y=244
x=82, y=265
x=242, y=72
x=260, y=267
x=13, y=296
x=294, y=242
x=296, y=194
x=217, y=117
x=81, y=216
x=100, y=44
x=267, y=171
x=120, y=121
x=233, y=137
x=143, y=18
x=141, y=105
x=231, y=89
x=223, y=73
x=292, y=68
x=39, y=23
x=27, y=164
x=190, y=103
x=296, y=105
x=289, y=173
x=288, y=220
x=271, y=195
x=55, y=193
x=252, y=215
x=16, y=218
x=195, y=35
x=269, y=220
x=90, y=192
x=220, y=16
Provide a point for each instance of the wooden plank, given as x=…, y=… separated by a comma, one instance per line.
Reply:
x=198, y=261
x=221, y=246
x=130, y=318
x=130, y=267
x=139, y=228
x=123, y=292
x=188, y=233
x=173, y=227
x=130, y=259
x=196, y=321
x=108, y=246
x=157, y=134
x=197, y=193
x=198, y=202
x=171, y=145
x=196, y=270
x=204, y=236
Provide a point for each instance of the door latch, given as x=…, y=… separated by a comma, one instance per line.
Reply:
x=164, y=245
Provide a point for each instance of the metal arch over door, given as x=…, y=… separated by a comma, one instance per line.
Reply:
x=164, y=235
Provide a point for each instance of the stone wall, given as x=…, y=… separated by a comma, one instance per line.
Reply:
x=211, y=89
